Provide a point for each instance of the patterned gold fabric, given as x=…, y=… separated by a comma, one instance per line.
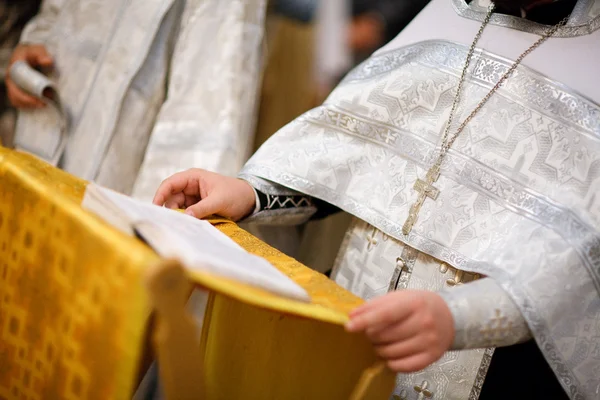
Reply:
x=73, y=309
x=330, y=303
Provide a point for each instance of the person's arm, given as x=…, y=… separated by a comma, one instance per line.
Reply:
x=32, y=50
x=411, y=329
x=203, y=193
x=484, y=316
x=288, y=209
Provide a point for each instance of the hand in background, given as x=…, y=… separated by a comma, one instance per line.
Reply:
x=367, y=32
x=36, y=56
x=203, y=193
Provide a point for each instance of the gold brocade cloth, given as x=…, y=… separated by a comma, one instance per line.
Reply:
x=74, y=311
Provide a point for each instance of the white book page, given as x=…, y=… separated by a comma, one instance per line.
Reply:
x=201, y=246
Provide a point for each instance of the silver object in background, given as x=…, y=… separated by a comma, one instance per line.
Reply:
x=49, y=147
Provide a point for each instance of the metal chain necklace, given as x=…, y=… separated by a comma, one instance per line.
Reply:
x=425, y=187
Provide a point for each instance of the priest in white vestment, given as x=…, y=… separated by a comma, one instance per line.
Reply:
x=473, y=179
x=146, y=87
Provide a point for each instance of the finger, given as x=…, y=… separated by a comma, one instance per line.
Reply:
x=413, y=363
x=392, y=333
x=20, y=99
x=205, y=207
x=367, y=308
x=191, y=200
x=374, y=303
x=176, y=201
x=174, y=184
x=384, y=313
x=401, y=349
x=172, y=205
x=38, y=56
x=360, y=310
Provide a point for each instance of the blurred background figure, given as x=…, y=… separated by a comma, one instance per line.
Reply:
x=14, y=14
x=147, y=87
x=348, y=31
x=376, y=22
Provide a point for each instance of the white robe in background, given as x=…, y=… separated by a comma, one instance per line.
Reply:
x=150, y=87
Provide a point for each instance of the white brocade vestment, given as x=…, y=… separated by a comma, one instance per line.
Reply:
x=149, y=87
x=512, y=242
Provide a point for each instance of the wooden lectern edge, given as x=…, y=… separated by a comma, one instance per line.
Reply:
x=176, y=338
x=178, y=347
x=264, y=299
x=376, y=383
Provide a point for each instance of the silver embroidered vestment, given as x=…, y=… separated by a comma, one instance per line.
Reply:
x=512, y=241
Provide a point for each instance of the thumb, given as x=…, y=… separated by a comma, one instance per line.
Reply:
x=39, y=56
x=205, y=207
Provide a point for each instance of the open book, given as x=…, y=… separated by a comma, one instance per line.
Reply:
x=197, y=244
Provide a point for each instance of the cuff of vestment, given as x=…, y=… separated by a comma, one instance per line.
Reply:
x=484, y=316
x=278, y=216
x=282, y=216
x=257, y=207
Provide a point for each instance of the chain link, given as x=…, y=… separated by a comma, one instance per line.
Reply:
x=447, y=141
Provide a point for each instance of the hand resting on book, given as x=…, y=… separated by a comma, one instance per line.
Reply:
x=203, y=193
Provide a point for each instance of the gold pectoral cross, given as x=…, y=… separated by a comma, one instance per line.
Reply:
x=425, y=189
